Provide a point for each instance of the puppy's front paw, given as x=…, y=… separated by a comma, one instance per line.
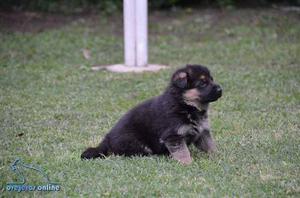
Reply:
x=182, y=156
x=206, y=144
x=211, y=146
x=179, y=151
x=186, y=161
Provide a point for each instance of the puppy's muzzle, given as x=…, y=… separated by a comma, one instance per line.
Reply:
x=218, y=90
x=215, y=93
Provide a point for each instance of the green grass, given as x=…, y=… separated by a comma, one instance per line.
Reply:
x=49, y=93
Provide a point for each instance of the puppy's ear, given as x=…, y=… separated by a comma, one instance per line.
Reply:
x=180, y=79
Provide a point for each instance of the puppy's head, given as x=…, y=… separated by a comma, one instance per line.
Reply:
x=196, y=85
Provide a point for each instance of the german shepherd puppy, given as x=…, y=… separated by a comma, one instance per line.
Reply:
x=168, y=123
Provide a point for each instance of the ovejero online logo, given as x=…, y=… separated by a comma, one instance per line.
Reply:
x=18, y=167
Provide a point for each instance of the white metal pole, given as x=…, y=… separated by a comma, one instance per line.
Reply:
x=135, y=39
x=129, y=32
x=141, y=22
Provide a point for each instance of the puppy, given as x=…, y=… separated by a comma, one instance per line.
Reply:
x=166, y=124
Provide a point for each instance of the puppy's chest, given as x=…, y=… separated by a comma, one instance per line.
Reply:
x=195, y=126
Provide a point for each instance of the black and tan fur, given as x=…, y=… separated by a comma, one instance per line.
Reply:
x=168, y=123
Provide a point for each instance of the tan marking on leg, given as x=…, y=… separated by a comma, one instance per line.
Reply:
x=211, y=146
x=179, y=151
x=182, y=155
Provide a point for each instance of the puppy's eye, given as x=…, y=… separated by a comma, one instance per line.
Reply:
x=201, y=83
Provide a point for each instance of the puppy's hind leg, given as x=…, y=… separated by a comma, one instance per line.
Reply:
x=129, y=145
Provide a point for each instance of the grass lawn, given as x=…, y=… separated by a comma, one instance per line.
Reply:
x=52, y=106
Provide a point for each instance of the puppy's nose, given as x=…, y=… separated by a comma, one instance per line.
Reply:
x=218, y=89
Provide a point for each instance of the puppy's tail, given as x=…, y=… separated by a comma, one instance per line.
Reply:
x=94, y=152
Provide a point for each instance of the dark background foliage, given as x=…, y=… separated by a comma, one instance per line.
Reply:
x=109, y=6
